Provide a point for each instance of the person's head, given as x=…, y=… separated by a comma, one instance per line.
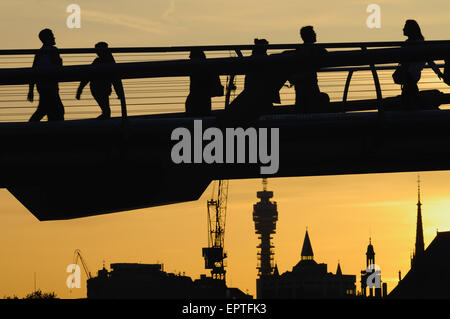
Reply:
x=412, y=30
x=102, y=50
x=197, y=54
x=47, y=38
x=308, y=35
x=260, y=47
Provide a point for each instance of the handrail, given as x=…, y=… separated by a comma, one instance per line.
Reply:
x=367, y=68
x=221, y=66
x=220, y=47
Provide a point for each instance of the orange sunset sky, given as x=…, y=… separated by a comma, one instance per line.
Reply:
x=341, y=212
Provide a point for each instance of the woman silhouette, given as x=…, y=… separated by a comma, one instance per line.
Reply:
x=261, y=88
x=101, y=87
x=410, y=97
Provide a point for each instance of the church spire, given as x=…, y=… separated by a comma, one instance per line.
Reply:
x=307, y=252
x=339, y=270
x=420, y=246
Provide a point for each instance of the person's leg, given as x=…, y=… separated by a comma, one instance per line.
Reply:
x=410, y=99
x=55, y=109
x=206, y=105
x=37, y=115
x=301, y=101
x=106, y=109
x=188, y=105
x=415, y=96
x=196, y=104
x=103, y=102
x=320, y=103
x=313, y=100
x=404, y=97
x=42, y=107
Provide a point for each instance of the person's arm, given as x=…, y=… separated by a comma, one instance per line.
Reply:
x=436, y=69
x=57, y=58
x=81, y=87
x=118, y=87
x=83, y=83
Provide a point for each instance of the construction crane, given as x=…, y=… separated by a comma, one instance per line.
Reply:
x=76, y=255
x=214, y=254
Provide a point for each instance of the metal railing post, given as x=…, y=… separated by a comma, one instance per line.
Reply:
x=347, y=86
x=376, y=81
x=230, y=85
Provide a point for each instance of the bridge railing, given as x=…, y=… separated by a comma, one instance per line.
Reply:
x=168, y=94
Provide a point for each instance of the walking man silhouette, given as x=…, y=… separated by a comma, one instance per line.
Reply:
x=307, y=92
x=49, y=101
x=101, y=87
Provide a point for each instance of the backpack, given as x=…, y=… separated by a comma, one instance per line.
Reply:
x=400, y=74
x=446, y=76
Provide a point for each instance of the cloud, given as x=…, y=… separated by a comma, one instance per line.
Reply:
x=124, y=20
x=171, y=9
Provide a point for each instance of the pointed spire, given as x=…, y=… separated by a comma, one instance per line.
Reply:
x=420, y=246
x=307, y=252
x=418, y=188
x=275, y=272
x=339, y=271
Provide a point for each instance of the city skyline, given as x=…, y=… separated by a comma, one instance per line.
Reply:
x=341, y=212
x=332, y=244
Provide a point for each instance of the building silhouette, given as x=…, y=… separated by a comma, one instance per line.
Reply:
x=150, y=281
x=308, y=279
x=265, y=216
x=429, y=277
x=371, y=284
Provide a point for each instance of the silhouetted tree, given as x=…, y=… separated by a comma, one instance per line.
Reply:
x=38, y=294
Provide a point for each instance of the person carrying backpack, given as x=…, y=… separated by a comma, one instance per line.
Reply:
x=203, y=86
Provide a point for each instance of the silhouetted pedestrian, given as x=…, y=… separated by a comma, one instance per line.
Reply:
x=101, y=87
x=261, y=88
x=203, y=86
x=49, y=100
x=408, y=73
x=307, y=92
